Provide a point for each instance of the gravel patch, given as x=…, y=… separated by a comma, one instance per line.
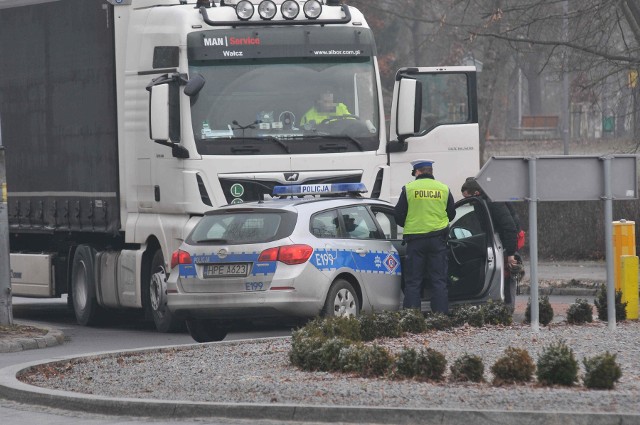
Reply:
x=260, y=372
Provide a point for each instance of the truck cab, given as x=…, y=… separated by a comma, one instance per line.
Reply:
x=183, y=106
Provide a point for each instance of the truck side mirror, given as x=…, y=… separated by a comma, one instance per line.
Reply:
x=159, y=112
x=409, y=108
x=194, y=85
x=164, y=113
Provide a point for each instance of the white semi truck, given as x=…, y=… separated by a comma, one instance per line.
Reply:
x=125, y=120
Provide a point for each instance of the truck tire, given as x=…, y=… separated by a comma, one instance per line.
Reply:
x=206, y=330
x=342, y=300
x=83, y=287
x=155, y=296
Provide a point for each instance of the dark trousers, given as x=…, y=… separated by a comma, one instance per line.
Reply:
x=510, y=286
x=426, y=260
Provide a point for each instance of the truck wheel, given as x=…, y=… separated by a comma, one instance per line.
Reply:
x=83, y=287
x=155, y=296
x=205, y=330
x=342, y=300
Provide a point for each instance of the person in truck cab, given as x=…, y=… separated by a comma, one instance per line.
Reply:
x=324, y=109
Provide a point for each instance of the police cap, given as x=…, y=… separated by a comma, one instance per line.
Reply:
x=420, y=163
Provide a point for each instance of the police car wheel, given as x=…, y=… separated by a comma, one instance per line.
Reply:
x=342, y=300
x=205, y=330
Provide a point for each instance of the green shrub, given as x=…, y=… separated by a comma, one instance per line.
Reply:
x=471, y=314
x=329, y=354
x=305, y=350
x=516, y=365
x=412, y=321
x=406, y=363
x=316, y=345
x=580, y=312
x=346, y=327
x=497, y=313
x=601, y=372
x=374, y=361
x=467, y=368
x=545, y=311
x=350, y=358
x=430, y=365
x=557, y=365
x=380, y=325
x=365, y=360
x=438, y=321
x=601, y=304
x=427, y=364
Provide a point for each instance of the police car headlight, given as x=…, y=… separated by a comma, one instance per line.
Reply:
x=267, y=9
x=312, y=9
x=290, y=9
x=244, y=10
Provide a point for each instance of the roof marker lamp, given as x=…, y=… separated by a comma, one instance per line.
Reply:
x=312, y=9
x=267, y=9
x=244, y=10
x=290, y=9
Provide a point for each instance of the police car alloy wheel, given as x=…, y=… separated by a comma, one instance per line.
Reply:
x=342, y=300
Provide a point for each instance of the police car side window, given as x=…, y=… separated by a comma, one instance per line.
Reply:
x=358, y=223
x=325, y=224
x=387, y=223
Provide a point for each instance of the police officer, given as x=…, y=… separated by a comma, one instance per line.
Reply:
x=424, y=209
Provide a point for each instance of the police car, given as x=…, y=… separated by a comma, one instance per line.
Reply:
x=299, y=256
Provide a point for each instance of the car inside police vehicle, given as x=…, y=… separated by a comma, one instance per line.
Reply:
x=319, y=249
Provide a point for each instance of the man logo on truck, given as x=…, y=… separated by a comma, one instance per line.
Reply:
x=220, y=41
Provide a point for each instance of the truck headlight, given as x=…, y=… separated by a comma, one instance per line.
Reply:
x=267, y=9
x=312, y=9
x=290, y=9
x=244, y=10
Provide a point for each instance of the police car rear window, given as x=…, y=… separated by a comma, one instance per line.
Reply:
x=230, y=227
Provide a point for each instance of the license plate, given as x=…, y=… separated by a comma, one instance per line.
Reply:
x=226, y=270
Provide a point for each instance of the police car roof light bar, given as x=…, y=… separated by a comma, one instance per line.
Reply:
x=320, y=189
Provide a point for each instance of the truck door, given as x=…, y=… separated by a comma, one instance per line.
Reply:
x=475, y=255
x=445, y=114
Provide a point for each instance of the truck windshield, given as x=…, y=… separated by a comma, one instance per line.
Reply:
x=286, y=106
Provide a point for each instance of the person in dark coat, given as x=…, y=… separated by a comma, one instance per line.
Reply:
x=504, y=224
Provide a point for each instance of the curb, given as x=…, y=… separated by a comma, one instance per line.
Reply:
x=12, y=389
x=52, y=338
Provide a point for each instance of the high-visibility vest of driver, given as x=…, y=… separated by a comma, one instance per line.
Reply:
x=427, y=200
x=317, y=116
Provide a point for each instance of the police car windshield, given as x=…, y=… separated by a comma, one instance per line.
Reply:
x=285, y=99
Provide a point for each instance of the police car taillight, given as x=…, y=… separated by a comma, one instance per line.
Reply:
x=180, y=257
x=287, y=254
x=270, y=254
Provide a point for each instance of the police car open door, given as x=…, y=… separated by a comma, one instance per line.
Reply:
x=475, y=255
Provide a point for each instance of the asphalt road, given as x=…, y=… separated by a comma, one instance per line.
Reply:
x=126, y=331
